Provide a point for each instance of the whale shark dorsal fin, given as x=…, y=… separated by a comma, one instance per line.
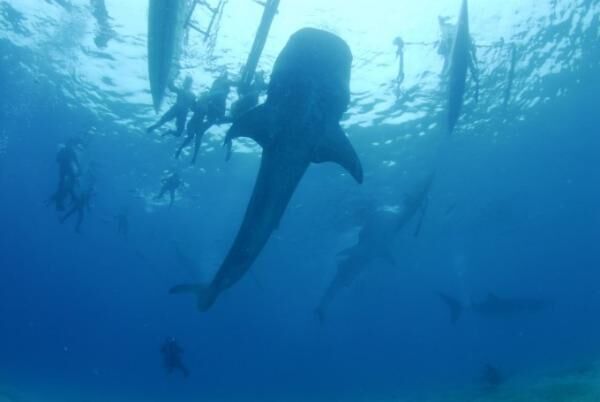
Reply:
x=253, y=124
x=336, y=147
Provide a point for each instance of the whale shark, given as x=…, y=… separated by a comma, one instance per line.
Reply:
x=374, y=244
x=494, y=306
x=461, y=61
x=298, y=124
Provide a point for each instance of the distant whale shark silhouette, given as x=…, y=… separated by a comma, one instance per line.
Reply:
x=494, y=306
x=297, y=125
x=460, y=62
x=374, y=243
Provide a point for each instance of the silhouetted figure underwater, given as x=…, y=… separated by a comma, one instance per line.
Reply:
x=208, y=110
x=399, y=43
x=169, y=184
x=81, y=204
x=171, y=353
x=179, y=111
x=68, y=174
x=491, y=378
x=217, y=98
x=248, y=96
x=197, y=126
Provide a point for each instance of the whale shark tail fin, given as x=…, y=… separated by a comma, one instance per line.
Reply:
x=456, y=307
x=205, y=294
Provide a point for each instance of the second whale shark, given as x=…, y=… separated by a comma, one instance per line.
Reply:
x=298, y=124
x=494, y=306
x=374, y=243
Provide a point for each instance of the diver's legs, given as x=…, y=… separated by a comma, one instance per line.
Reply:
x=186, y=142
x=68, y=214
x=180, y=117
x=168, y=116
x=180, y=123
x=172, y=195
x=197, y=147
x=198, y=142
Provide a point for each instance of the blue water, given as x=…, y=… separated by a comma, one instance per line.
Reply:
x=514, y=210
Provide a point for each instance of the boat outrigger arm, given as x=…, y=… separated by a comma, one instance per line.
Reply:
x=215, y=11
x=259, y=43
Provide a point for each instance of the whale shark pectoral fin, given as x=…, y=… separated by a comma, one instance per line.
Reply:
x=336, y=147
x=254, y=124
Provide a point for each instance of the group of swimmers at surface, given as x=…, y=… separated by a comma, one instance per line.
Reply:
x=208, y=109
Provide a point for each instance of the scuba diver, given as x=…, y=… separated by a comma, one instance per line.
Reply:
x=80, y=205
x=179, y=111
x=171, y=183
x=68, y=173
x=209, y=110
x=171, y=352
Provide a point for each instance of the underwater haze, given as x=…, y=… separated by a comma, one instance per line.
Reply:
x=464, y=267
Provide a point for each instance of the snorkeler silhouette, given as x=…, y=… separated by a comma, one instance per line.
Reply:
x=179, y=111
x=68, y=174
x=208, y=110
x=249, y=95
x=197, y=126
x=171, y=352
